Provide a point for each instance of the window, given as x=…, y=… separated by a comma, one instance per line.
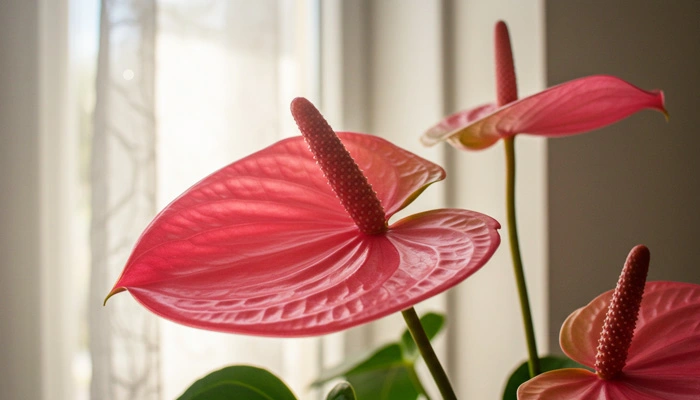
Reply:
x=379, y=74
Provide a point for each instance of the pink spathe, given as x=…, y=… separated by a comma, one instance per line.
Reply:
x=573, y=107
x=265, y=247
x=570, y=108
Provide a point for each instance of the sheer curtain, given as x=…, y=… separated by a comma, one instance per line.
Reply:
x=124, y=341
x=183, y=88
x=226, y=72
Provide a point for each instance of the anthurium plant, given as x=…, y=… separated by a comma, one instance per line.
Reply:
x=639, y=341
x=295, y=240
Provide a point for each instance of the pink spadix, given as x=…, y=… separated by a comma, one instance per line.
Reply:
x=621, y=319
x=345, y=177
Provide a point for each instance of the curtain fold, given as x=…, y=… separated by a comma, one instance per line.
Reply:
x=124, y=341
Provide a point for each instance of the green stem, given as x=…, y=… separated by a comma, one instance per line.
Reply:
x=428, y=354
x=533, y=361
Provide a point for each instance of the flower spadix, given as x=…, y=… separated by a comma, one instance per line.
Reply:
x=570, y=108
x=345, y=177
x=295, y=240
x=642, y=341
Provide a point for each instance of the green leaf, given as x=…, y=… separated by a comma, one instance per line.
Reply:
x=399, y=382
x=239, y=382
x=385, y=375
x=522, y=373
x=389, y=372
x=432, y=324
x=386, y=357
x=342, y=391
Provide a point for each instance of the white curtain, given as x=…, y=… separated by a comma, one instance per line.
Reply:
x=124, y=338
x=226, y=73
x=184, y=88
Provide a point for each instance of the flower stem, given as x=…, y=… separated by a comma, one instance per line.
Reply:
x=533, y=361
x=428, y=354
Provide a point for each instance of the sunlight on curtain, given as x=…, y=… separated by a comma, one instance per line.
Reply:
x=123, y=336
x=184, y=88
x=226, y=72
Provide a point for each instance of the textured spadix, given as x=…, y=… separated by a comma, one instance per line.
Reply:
x=663, y=360
x=264, y=246
x=345, y=177
x=621, y=318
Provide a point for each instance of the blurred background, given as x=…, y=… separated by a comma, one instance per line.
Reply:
x=109, y=109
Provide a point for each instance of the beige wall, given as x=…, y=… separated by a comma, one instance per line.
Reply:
x=19, y=201
x=639, y=180
x=34, y=241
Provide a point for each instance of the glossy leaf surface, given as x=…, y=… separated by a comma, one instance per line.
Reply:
x=663, y=361
x=394, y=383
x=239, y=382
x=570, y=108
x=384, y=358
x=384, y=373
x=264, y=247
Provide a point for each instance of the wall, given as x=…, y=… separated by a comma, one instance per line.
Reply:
x=638, y=181
x=19, y=202
x=36, y=158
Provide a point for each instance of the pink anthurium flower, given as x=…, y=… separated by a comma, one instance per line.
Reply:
x=642, y=341
x=295, y=241
x=570, y=108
